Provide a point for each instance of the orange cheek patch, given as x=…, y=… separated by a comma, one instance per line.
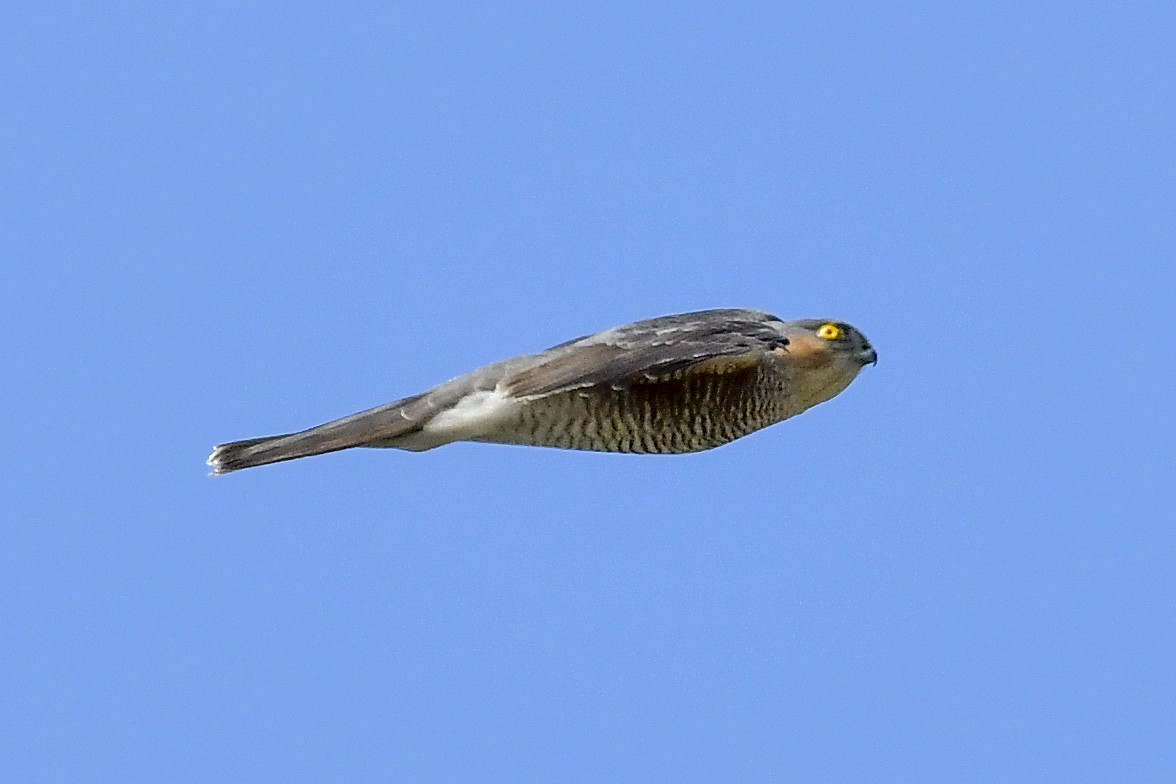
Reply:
x=809, y=352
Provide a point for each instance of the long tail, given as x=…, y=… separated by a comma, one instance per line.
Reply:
x=378, y=424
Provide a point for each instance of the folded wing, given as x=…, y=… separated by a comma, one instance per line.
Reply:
x=651, y=351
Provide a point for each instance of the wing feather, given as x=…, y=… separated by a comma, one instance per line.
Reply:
x=651, y=351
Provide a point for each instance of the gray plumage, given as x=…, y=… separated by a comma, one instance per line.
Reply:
x=667, y=385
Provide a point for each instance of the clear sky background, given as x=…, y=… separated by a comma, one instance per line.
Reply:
x=237, y=219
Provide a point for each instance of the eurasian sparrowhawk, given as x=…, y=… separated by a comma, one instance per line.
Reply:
x=668, y=385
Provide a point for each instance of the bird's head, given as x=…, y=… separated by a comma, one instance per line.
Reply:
x=828, y=355
x=821, y=342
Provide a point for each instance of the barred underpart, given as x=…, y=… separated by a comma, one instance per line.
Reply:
x=687, y=414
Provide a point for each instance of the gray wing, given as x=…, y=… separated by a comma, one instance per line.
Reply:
x=651, y=351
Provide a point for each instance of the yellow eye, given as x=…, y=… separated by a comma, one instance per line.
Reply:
x=829, y=331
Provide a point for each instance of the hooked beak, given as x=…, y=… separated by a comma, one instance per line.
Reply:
x=868, y=356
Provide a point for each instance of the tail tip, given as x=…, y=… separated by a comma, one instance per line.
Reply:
x=216, y=461
x=235, y=455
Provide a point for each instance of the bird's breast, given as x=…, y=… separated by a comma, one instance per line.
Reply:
x=687, y=414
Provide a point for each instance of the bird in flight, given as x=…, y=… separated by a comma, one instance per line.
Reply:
x=668, y=385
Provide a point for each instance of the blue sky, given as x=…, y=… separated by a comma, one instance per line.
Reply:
x=231, y=220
